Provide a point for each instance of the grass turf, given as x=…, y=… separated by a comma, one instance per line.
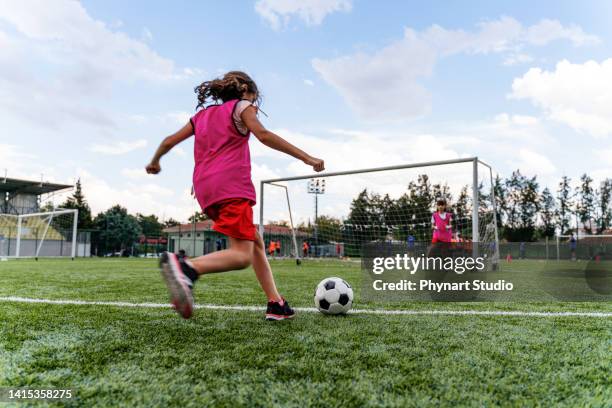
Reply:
x=116, y=356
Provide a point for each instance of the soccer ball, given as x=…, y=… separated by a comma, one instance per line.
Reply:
x=333, y=296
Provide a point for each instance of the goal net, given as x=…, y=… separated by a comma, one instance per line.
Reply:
x=336, y=214
x=584, y=247
x=45, y=234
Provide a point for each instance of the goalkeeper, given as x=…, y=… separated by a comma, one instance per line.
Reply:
x=441, y=223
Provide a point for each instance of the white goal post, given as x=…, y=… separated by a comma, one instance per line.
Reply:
x=398, y=201
x=43, y=234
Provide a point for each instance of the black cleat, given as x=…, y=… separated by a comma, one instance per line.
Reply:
x=277, y=312
x=179, y=285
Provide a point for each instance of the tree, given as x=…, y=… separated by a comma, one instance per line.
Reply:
x=604, y=206
x=170, y=222
x=513, y=187
x=547, y=213
x=306, y=228
x=529, y=204
x=280, y=223
x=329, y=228
x=499, y=189
x=585, y=205
x=118, y=229
x=364, y=223
x=150, y=225
x=198, y=217
x=522, y=207
x=484, y=199
x=463, y=211
x=77, y=201
x=420, y=202
x=47, y=207
x=564, y=207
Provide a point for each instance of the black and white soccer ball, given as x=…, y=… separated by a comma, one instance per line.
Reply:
x=333, y=296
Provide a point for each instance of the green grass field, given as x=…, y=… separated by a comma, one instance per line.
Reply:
x=148, y=356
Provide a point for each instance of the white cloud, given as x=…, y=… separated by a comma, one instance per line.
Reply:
x=118, y=147
x=180, y=118
x=147, y=35
x=179, y=151
x=600, y=174
x=278, y=13
x=73, y=34
x=387, y=85
x=59, y=61
x=144, y=198
x=578, y=95
x=20, y=162
x=517, y=59
x=309, y=82
x=550, y=30
x=11, y=154
x=351, y=149
x=521, y=120
x=533, y=163
x=135, y=174
x=524, y=120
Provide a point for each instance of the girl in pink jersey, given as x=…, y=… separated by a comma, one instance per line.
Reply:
x=441, y=223
x=223, y=187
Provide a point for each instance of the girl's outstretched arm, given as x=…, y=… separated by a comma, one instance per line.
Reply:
x=166, y=145
x=272, y=140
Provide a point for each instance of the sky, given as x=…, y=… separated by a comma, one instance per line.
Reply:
x=88, y=89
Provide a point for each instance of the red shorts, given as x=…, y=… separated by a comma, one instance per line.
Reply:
x=233, y=217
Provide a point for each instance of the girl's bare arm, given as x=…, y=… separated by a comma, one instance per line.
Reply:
x=272, y=140
x=166, y=145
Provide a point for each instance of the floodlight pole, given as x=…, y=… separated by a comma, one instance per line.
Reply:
x=316, y=186
x=316, y=231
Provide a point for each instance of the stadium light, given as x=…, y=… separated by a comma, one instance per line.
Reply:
x=316, y=186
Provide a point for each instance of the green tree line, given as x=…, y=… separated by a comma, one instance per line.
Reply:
x=525, y=211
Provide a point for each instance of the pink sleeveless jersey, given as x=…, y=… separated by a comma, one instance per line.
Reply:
x=222, y=157
x=443, y=233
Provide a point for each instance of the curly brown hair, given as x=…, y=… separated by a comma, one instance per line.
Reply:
x=233, y=85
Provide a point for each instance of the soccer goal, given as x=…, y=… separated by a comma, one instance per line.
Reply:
x=44, y=234
x=332, y=215
x=584, y=247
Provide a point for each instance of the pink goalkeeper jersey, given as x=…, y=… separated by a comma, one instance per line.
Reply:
x=222, y=157
x=443, y=233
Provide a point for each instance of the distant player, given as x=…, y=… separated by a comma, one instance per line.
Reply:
x=223, y=187
x=305, y=249
x=272, y=248
x=410, y=242
x=573, y=244
x=441, y=223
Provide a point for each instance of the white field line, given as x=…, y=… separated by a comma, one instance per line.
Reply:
x=515, y=313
